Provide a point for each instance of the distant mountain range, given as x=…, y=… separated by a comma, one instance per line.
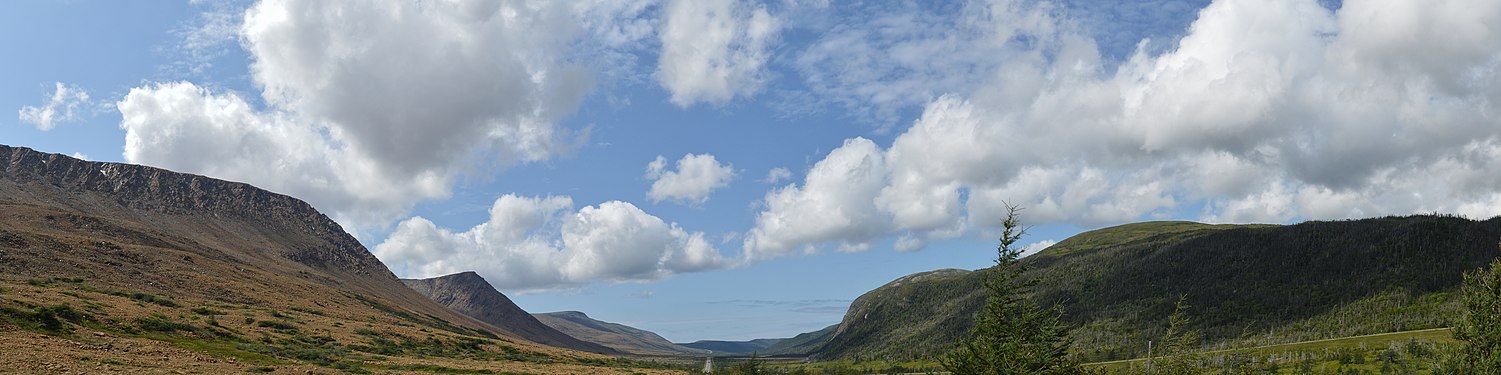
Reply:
x=733, y=347
x=471, y=295
x=615, y=336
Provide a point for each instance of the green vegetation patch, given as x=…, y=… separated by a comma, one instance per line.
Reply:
x=1401, y=352
x=46, y=319
x=395, y=344
x=429, y=320
x=206, y=311
x=152, y=298
x=221, y=348
x=138, y=296
x=163, y=324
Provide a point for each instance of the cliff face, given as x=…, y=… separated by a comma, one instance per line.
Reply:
x=469, y=294
x=161, y=191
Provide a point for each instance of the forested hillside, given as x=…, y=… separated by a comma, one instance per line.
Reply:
x=1247, y=285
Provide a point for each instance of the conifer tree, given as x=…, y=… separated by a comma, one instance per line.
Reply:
x=1178, y=344
x=1479, y=328
x=1013, y=335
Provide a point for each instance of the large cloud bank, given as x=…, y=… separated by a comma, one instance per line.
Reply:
x=371, y=107
x=1262, y=111
x=1265, y=111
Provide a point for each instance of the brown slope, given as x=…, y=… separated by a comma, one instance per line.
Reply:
x=144, y=270
x=471, y=295
x=616, y=336
x=221, y=220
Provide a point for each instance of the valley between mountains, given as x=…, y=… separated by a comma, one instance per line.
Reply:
x=117, y=268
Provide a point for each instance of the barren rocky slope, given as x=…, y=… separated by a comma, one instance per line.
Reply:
x=471, y=295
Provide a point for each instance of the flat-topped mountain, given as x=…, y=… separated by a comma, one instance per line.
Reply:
x=109, y=268
x=311, y=238
x=471, y=295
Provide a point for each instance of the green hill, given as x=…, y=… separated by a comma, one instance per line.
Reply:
x=1248, y=285
x=801, y=344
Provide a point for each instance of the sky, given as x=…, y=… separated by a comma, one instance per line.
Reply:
x=727, y=169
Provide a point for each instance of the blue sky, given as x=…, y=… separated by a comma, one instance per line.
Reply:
x=727, y=169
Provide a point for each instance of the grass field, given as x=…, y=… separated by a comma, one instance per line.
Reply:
x=1405, y=352
x=1408, y=352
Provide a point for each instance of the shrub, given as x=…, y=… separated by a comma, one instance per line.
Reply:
x=49, y=319
x=272, y=324
x=163, y=324
x=1478, y=330
x=152, y=298
x=206, y=311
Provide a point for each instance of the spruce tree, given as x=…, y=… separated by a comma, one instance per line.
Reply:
x=1013, y=335
x=1479, y=328
x=1179, y=344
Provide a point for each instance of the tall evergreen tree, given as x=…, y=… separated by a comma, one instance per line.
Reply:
x=1179, y=344
x=1479, y=328
x=1013, y=335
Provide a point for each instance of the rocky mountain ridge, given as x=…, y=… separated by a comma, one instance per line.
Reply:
x=173, y=193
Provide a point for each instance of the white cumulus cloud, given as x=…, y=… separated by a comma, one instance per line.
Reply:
x=695, y=177
x=372, y=107
x=714, y=50
x=1265, y=111
x=532, y=244
x=185, y=127
x=62, y=106
x=832, y=206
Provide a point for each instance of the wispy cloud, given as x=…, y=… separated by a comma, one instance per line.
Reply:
x=61, y=106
